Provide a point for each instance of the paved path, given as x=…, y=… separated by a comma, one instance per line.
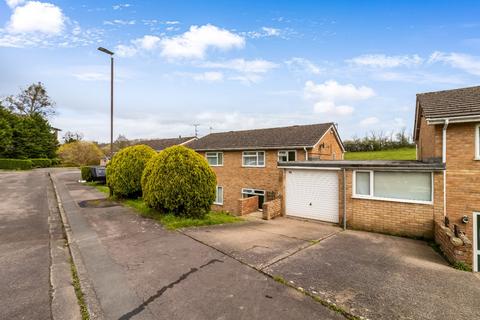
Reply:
x=141, y=271
x=24, y=246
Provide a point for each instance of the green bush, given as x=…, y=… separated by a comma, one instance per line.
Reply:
x=41, y=162
x=56, y=162
x=16, y=164
x=124, y=171
x=178, y=180
x=86, y=173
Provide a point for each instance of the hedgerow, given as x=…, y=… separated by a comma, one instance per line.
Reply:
x=41, y=162
x=15, y=164
x=178, y=180
x=124, y=171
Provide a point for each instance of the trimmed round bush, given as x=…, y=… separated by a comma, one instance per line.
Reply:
x=124, y=171
x=86, y=173
x=178, y=180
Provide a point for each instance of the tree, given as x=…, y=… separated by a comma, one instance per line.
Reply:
x=6, y=132
x=178, y=180
x=70, y=136
x=80, y=153
x=32, y=100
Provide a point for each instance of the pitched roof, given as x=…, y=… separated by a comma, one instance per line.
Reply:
x=272, y=138
x=160, y=144
x=450, y=103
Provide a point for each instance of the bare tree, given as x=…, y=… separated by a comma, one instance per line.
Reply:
x=32, y=100
x=70, y=136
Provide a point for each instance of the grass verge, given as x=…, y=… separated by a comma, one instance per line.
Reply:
x=170, y=221
x=78, y=292
x=394, y=154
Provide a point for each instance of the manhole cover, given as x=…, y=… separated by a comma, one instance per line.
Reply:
x=97, y=203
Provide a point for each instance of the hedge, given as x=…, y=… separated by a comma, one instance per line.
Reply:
x=41, y=162
x=124, y=171
x=16, y=164
x=86, y=173
x=179, y=180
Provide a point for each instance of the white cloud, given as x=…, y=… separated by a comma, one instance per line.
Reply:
x=36, y=16
x=332, y=98
x=369, y=121
x=145, y=43
x=121, y=6
x=384, y=61
x=194, y=43
x=125, y=51
x=13, y=3
x=465, y=62
x=246, y=71
x=303, y=65
x=92, y=76
x=172, y=22
x=209, y=76
x=119, y=22
x=271, y=32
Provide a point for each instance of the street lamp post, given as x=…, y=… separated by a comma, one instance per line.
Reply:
x=110, y=53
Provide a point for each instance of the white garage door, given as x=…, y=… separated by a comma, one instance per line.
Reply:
x=312, y=194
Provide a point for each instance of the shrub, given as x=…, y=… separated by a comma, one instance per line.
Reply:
x=178, y=180
x=80, y=153
x=86, y=173
x=124, y=171
x=41, y=162
x=16, y=164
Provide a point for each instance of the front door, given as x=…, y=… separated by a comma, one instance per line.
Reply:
x=476, y=241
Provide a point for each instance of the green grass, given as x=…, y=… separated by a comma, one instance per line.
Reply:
x=170, y=221
x=78, y=292
x=462, y=266
x=100, y=187
x=395, y=154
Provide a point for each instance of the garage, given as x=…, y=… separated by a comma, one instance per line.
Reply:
x=312, y=194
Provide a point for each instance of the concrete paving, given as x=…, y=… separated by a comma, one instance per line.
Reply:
x=383, y=277
x=24, y=246
x=260, y=243
x=166, y=274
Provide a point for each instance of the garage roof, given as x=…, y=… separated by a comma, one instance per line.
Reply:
x=367, y=165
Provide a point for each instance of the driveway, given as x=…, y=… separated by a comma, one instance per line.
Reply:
x=260, y=243
x=371, y=275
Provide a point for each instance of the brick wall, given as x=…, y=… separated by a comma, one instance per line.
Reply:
x=331, y=148
x=390, y=217
x=247, y=205
x=272, y=209
x=429, y=142
x=461, y=252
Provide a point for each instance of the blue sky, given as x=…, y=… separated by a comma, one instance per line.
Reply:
x=229, y=65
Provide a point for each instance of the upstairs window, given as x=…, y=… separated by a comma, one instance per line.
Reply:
x=214, y=159
x=253, y=158
x=287, y=155
x=477, y=142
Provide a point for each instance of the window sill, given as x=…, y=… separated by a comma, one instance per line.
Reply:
x=392, y=200
x=218, y=204
x=216, y=165
x=244, y=166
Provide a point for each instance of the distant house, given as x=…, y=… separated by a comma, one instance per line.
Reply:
x=160, y=144
x=245, y=162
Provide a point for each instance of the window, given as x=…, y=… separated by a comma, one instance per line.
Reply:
x=394, y=185
x=246, y=193
x=253, y=159
x=219, y=196
x=289, y=155
x=214, y=158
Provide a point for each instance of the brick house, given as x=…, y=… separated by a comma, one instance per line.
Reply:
x=245, y=162
x=447, y=131
x=435, y=197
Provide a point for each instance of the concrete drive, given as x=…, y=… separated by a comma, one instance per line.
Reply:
x=383, y=277
x=24, y=246
x=138, y=270
x=260, y=243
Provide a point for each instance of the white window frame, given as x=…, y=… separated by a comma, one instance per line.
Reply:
x=475, y=251
x=255, y=192
x=256, y=153
x=477, y=142
x=216, y=196
x=207, y=154
x=287, y=151
x=372, y=197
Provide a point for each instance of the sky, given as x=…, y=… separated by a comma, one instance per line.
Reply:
x=232, y=65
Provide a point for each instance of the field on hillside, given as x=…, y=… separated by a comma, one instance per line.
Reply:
x=395, y=154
